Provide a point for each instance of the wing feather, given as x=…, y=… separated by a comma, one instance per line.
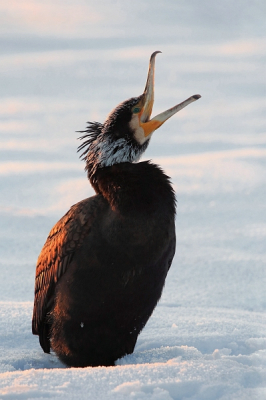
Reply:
x=64, y=239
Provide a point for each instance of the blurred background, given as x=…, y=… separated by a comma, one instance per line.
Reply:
x=63, y=63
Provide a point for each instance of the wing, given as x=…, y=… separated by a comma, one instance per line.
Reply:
x=63, y=240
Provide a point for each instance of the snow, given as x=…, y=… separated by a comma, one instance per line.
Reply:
x=63, y=65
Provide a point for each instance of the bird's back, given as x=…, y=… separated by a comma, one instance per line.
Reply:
x=121, y=247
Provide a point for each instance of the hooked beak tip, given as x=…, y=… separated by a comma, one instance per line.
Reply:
x=154, y=53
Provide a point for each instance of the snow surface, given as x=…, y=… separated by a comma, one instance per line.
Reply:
x=62, y=64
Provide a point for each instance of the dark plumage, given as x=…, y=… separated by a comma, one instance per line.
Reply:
x=102, y=269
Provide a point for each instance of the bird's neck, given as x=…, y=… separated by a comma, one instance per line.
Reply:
x=140, y=188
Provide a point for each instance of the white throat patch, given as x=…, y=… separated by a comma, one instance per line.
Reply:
x=138, y=131
x=109, y=153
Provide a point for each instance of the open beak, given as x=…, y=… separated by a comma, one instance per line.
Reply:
x=150, y=125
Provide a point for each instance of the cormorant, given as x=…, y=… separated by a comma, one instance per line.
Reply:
x=102, y=269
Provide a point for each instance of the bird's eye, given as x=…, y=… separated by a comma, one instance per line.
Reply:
x=136, y=110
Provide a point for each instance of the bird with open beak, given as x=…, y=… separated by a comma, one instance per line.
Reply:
x=103, y=267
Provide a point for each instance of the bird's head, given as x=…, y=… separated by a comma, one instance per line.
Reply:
x=126, y=133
